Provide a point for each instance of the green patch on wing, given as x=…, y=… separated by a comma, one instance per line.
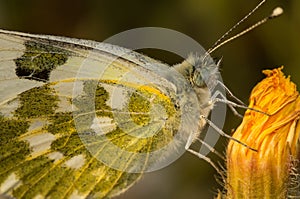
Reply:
x=11, y=150
x=61, y=122
x=39, y=59
x=93, y=100
x=37, y=102
x=140, y=107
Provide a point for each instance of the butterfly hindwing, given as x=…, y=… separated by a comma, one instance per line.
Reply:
x=64, y=106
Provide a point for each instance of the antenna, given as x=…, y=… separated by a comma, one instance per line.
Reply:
x=237, y=24
x=275, y=13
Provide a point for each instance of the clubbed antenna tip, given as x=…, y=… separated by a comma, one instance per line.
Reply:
x=276, y=12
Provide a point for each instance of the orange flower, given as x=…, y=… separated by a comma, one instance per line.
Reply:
x=272, y=171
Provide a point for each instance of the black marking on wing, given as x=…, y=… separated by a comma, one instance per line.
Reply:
x=39, y=60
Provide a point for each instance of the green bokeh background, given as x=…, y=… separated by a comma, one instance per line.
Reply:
x=274, y=44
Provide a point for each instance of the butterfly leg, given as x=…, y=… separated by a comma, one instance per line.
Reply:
x=207, y=159
x=203, y=157
x=218, y=130
x=230, y=93
x=223, y=99
x=232, y=104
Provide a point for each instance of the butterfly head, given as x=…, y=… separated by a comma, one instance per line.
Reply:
x=200, y=70
x=202, y=73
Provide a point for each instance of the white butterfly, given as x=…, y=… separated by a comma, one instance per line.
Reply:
x=83, y=119
x=66, y=103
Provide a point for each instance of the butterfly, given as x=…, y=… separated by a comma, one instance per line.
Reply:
x=83, y=119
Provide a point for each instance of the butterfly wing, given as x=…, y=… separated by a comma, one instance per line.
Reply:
x=80, y=118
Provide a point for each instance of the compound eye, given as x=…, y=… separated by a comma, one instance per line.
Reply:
x=198, y=79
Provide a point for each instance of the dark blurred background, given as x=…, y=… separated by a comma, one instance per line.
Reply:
x=271, y=45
